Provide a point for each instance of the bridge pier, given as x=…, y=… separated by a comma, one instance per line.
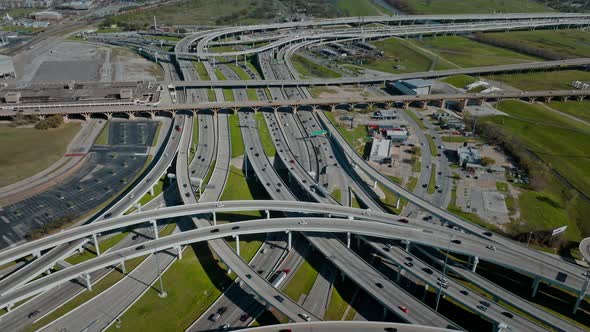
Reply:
x=424, y=293
x=398, y=278
x=179, y=252
x=582, y=294
x=86, y=278
x=408, y=244
x=152, y=190
x=9, y=307
x=348, y=240
x=267, y=214
x=237, y=237
x=406, y=105
x=96, y=247
x=536, y=283
x=475, y=260
x=289, y=244
x=214, y=219
x=155, y=225
x=123, y=269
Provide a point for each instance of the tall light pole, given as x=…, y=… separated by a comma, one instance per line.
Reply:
x=162, y=292
x=442, y=275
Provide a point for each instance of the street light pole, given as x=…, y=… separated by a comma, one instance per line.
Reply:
x=442, y=277
x=162, y=293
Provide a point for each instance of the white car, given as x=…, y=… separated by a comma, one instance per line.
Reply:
x=491, y=247
x=367, y=212
x=302, y=222
x=219, y=205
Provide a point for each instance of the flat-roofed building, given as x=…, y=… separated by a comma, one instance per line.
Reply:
x=416, y=86
x=380, y=150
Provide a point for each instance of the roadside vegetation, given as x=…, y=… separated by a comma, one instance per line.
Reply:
x=548, y=146
x=553, y=80
x=237, y=144
x=356, y=137
x=459, y=81
x=301, y=283
x=574, y=108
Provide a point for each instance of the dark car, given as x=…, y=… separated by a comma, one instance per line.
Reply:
x=244, y=317
x=33, y=314
x=215, y=230
x=141, y=247
x=456, y=241
x=235, y=227
x=507, y=314
x=279, y=298
x=378, y=284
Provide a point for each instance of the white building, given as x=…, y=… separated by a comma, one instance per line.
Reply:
x=380, y=150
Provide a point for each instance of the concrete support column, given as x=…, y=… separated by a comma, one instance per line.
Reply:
x=267, y=214
x=86, y=278
x=408, y=243
x=80, y=250
x=425, y=292
x=536, y=283
x=582, y=294
x=475, y=260
x=214, y=219
x=398, y=278
x=96, y=247
x=348, y=240
x=289, y=244
x=152, y=190
x=155, y=225
x=384, y=313
x=179, y=252
x=123, y=269
x=9, y=307
x=358, y=241
x=37, y=254
x=237, y=237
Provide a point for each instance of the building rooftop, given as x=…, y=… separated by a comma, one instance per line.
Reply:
x=380, y=149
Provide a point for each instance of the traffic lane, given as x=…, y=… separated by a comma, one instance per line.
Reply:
x=390, y=295
x=347, y=326
x=477, y=303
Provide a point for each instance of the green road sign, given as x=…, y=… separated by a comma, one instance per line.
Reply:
x=319, y=132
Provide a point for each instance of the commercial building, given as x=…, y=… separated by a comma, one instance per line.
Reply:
x=397, y=135
x=47, y=16
x=6, y=67
x=413, y=87
x=468, y=155
x=380, y=150
x=384, y=115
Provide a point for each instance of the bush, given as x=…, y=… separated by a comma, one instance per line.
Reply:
x=54, y=121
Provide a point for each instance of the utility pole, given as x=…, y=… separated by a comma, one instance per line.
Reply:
x=444, y=270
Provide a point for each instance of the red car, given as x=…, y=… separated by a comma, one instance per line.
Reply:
x=178, y=128
x=404, y=309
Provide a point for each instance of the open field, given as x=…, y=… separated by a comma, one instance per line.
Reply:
x=203, y=12
x=356, y=7
x=562, y=144
x=459, y=81
x=401, y=56
x=357, y=137
x=474, y=6
x=568, y=43
x=555, y=80
x=309, y=68
x=580, y=110
x=468, y=53
x=43, y=148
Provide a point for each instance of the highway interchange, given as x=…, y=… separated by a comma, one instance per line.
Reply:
x=305, y=168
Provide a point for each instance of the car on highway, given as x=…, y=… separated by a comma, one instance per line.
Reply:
x=33, y=314
x=141, y=247
x=491, y=247
x=390, y=329
x=216, y=230
x=403, y=220
x=403, y=309
x=456, y=241
x=219, y=205
x=244, y=317
x=507, y=314
x=305, y=316
x=279, y=298
x=482, y=308
x=224, y=327
x=249, y=276
x=409, y=264
x=379, y=285
x=302, y=222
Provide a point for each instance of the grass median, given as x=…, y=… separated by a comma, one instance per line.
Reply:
x=301, y=283
x=237, y=144
x=265, y=138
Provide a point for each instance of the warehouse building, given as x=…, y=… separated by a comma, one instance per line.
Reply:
x=412, y=87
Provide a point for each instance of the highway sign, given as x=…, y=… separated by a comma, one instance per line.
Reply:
x=319, y=132
x=559, y=230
